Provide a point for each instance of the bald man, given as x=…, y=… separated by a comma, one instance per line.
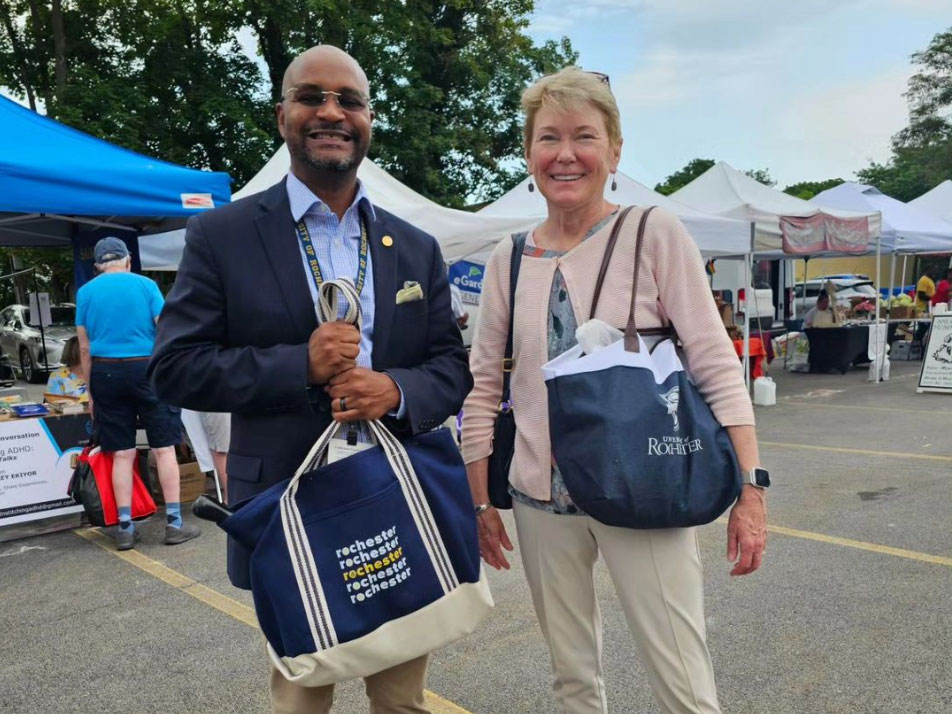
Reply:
x=239, y=332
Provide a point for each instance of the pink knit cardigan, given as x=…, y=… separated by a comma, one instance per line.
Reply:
x=672, y=287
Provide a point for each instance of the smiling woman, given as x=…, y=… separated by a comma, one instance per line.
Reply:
x=573, y=143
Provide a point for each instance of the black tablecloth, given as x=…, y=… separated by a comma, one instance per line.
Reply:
x=837, y=347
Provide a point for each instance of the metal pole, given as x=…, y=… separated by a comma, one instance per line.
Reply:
x=748, y=284
x=878, y=360
x=39, y=319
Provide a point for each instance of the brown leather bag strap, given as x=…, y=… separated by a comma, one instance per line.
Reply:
x=607, y=257
x=631, y=332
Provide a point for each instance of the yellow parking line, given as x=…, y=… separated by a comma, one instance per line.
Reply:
x=213, y=598
x=799, y=403
x=862, y=452
x=859, y=545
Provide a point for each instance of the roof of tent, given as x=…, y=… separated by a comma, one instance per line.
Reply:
x=937, y=202
x=905, y=228
x=724, y=191
x=713, y=234
x=460, y=234
x=52, y=175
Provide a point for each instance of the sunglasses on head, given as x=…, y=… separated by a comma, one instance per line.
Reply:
x=602, y=77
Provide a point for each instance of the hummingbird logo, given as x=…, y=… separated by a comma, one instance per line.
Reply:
x=474, y=271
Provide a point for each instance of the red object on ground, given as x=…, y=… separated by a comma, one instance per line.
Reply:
x=757, y=355
x=100, y=462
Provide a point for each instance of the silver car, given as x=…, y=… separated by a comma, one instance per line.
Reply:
x=20, y=341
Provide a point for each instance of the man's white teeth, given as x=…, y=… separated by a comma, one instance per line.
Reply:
x=569, y=177
x=325, y=135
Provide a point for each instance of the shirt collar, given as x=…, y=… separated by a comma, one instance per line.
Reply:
x=302, y=199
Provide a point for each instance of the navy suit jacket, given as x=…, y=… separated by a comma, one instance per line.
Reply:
x=233, y=336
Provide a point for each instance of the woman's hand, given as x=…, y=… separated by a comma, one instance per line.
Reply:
x=493, y=538
x=747, y=531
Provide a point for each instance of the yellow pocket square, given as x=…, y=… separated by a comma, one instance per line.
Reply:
x=411, y=291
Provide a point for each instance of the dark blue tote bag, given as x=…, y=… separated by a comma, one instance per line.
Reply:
x=367, y=562
x=636, y=443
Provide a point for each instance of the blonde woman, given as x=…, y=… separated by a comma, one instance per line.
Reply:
x=573, y=146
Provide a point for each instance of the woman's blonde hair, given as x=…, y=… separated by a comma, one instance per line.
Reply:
x=571, y=88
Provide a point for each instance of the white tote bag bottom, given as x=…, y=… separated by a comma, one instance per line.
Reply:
x=446, y=620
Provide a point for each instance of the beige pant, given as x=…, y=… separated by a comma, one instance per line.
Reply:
x=657, y=575
x=398, y=690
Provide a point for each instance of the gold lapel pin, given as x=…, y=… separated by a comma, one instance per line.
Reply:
x=387, y=241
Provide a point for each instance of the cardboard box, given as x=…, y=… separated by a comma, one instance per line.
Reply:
x=191, y=481
x=727, y=312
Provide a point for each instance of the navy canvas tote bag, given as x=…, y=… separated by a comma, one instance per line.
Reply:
x=637, y=444
x=367, y=562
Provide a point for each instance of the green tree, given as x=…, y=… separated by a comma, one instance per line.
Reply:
x=808, y=189
x=681, y=178
x=169, y=78
x=922, y=151
x=761, y=175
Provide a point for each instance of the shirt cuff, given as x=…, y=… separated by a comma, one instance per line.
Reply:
x=401, y=411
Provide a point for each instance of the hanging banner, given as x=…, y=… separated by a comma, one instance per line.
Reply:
x=823, y=233
x=936, y=373
x=35, y=466
x=468, y=277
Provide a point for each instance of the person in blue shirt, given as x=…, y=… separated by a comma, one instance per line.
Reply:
x=116, y=313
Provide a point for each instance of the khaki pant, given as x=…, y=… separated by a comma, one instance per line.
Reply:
x=657, y=575
x=398, y=690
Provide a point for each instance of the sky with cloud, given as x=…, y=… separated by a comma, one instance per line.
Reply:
x=809, y=90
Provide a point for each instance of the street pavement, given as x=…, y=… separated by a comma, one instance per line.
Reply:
x=851, y=612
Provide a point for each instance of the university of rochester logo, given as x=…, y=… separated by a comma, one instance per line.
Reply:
x=670, y=400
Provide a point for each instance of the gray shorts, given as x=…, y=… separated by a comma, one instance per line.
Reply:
x=217, y=427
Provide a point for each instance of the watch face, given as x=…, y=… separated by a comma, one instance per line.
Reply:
x=761, y=478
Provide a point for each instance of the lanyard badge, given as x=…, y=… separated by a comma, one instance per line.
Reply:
x=307, y=244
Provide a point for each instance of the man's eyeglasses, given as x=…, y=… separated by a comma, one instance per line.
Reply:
x=602, y=77
x=348, y=100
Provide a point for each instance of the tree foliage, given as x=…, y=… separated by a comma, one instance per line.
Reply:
x=808, y=189
x=174, y=79
x=922, y=151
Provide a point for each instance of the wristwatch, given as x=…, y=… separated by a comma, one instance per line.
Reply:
x=757, y=477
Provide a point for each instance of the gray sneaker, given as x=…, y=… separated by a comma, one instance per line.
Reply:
x=174, y=536
x=126, y=540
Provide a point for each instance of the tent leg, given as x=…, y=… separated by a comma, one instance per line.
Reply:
x=877, y=348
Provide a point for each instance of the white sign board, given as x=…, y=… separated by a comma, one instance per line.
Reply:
x=936, y=374
x=43, y=312
x=35, y=468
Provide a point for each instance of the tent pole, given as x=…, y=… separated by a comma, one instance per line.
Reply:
x=748, y=284
x=880, y=353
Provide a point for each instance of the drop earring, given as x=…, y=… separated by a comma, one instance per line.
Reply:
x=614, y=183
x=531, y=187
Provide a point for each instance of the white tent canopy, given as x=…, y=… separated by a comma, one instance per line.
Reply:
x=715, y=236
x=905, y=228
x=460, y=233
x=724, y=191
x=937, y=202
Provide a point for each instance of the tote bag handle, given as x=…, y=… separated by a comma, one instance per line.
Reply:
x=631, y=331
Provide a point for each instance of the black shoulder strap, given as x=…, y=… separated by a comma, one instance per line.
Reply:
x=518, y=246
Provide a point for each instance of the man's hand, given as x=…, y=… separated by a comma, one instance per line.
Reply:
x=366, y=395
x=332, y=349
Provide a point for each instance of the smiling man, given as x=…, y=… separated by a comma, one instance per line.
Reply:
x=239, y=331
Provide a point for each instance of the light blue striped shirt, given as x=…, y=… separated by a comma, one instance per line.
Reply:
x=337, y=247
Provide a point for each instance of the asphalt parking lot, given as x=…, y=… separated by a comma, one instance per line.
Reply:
x=851, y=613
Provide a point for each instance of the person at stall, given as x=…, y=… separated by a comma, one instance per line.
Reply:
x=943, y=289
x=925, y=288
x=69, y=382
x=821, y=314
x=116, y=313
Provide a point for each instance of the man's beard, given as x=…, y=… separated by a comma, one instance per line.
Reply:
x=342, y=165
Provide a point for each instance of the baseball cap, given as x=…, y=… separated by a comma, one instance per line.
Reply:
x=110, y=248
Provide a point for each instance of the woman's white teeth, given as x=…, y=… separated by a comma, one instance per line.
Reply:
x=567, y=177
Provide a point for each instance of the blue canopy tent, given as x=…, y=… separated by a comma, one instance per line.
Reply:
x=55, y=180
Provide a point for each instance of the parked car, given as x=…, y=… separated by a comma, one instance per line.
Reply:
x=20, y=341
x=847, y=287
